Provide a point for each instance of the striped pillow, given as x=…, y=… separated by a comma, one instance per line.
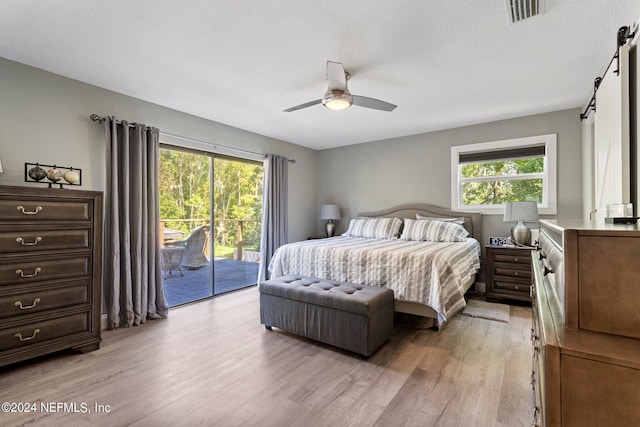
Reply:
x=374, y=228
x=457, y=220
x=433, y=231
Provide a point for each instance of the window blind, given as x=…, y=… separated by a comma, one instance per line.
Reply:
x=510, y=153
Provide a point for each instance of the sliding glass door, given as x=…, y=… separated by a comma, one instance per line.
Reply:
x=210, y=209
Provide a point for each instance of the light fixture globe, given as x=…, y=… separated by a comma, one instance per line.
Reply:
x=337, y=99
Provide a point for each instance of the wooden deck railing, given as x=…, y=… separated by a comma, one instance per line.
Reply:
x=193, y=223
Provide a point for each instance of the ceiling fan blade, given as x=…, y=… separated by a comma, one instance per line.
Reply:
x=376, y=104
x=305, y=105
x=336, y=77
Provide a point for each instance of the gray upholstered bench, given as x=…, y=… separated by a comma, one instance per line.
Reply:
x=353, y=317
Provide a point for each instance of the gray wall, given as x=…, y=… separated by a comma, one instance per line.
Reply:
x=44, y=118
x=416, y=168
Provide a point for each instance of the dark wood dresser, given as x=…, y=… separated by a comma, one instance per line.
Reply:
x=508, y=272
x=586, y=325
x=50, y=271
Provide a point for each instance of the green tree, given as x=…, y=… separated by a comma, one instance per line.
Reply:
x=237, y=195
x=501, y=190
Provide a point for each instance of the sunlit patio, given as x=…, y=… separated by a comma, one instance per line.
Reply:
x=229, y=275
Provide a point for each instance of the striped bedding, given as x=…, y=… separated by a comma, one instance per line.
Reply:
x=426, y=272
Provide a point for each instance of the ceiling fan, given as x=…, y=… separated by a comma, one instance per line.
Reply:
x=338, y=96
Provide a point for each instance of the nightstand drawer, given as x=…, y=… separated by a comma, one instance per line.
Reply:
x=511, y=272
x=520, y=258
x=512, y=286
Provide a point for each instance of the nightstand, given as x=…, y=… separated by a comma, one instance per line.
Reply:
x=508, y=270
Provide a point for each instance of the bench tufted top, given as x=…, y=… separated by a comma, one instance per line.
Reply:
x=329, y=293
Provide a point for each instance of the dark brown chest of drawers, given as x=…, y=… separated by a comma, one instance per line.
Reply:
x=508, y=272
x=50, y=271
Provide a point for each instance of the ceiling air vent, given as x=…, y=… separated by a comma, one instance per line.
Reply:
x=519, y=10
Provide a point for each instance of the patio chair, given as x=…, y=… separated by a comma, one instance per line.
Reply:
x=172, y=260
x=195, y=246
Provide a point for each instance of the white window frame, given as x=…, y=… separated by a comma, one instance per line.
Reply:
x=549, y=177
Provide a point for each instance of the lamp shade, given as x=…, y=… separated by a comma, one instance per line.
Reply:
x=330, y=212
x=520, y=211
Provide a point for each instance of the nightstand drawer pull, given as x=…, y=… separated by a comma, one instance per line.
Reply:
x=21, y=338
x=33, y=212
x=37, y=240
x=27, y=307
x=515, y=273
x=515, y=259
x=35, y=273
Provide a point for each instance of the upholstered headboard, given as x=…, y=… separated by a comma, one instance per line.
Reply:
x=472, y=220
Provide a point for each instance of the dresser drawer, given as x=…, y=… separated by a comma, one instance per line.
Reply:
x=37, y=269
x=44, y=330
x=33, y=240
x=25, y=209
x=34, y=301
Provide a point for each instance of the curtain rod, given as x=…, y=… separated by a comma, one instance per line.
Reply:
x=97, y=118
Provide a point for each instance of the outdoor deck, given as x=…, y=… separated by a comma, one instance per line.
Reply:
x=230, y=275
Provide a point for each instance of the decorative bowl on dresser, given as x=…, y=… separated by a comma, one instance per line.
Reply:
x=586, y=324
x=508, y=272
x=50, y=271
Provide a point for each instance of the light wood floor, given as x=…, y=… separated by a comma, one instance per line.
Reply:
x=212, y=363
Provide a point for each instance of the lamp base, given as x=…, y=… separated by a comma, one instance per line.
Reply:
x=521, y=234
x=330, y=229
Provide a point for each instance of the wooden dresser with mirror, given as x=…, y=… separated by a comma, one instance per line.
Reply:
x=586, y=324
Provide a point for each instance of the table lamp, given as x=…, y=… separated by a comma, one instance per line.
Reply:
x=521, y=212
x=330, y=213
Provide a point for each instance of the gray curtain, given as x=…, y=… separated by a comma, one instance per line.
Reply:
x=274, y=211
x=132, y=275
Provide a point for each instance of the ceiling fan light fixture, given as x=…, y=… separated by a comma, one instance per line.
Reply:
x=337, y=100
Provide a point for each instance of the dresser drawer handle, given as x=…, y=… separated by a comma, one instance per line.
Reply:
x=515, y=259
x=21, y=338
x=515, y=287
x=27, y=307
x=35, y=273
x=37, y=240
x=515, y=273
x=21, y=209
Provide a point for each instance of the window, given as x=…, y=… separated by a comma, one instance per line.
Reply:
x=486, y=175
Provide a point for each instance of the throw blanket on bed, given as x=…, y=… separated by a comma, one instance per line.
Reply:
x=426, y=272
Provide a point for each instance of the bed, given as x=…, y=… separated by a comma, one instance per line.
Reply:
x=429, y=279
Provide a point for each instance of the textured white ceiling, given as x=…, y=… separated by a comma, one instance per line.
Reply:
x=241, y=62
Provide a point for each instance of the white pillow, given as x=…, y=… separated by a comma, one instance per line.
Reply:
x=433, y=231
x=457, y=220
x=374, y=228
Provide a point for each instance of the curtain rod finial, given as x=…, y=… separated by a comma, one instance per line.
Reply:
x=96, y=118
